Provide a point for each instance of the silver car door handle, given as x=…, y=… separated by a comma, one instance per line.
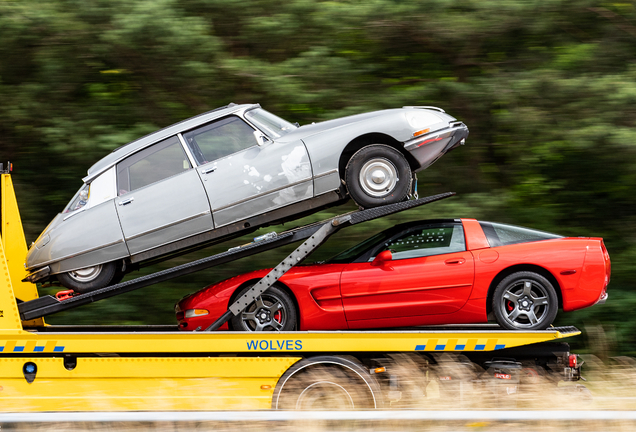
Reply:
x=126, y=201
x=208, y=170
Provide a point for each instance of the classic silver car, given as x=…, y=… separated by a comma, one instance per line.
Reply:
x=225, y=172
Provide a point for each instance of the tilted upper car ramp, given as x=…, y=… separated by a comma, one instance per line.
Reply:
x=48, y=305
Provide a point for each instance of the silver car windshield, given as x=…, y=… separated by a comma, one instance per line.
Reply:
x=79, y=200
x=272, y=125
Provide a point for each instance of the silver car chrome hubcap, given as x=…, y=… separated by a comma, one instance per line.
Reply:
x=86, y=274
x=378, y=177
x=525, y=303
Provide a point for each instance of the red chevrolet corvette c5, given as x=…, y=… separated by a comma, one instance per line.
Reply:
x=421, y=273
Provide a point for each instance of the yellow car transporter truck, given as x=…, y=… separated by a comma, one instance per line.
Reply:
x=78, y=368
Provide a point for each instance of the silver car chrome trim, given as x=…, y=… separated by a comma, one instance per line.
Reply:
x=169, y=242
x=326, y=173
x=235, y=203
x=447, y=131
x=187, y=150
x=82, y=252
x=38, y=274
x=425, y=107
x=185, y=219
x=75, y=212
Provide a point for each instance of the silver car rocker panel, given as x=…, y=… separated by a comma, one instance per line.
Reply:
x=309, y=178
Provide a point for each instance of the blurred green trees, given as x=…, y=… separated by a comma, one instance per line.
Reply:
x=547, y=88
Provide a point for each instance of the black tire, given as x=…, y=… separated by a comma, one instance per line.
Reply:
x=119, y=274
x=525, y=301
x=90, y=278
x=326, y=388
x=392, y=183
x=274, y=310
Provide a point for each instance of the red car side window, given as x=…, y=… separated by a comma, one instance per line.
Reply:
x=426, y=241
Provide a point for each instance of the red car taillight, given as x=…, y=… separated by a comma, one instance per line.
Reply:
x=608, y=264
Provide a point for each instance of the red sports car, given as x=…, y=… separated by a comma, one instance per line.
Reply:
x=421, y=273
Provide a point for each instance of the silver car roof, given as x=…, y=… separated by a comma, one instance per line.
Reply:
x=145, y=141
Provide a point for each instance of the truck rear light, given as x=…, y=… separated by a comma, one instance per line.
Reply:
x=572, y=360
x=191, y=313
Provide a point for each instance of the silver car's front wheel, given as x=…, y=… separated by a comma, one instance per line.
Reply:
x=89, y=278
x=87, y=274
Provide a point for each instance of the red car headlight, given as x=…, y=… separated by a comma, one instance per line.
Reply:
x=191, y=313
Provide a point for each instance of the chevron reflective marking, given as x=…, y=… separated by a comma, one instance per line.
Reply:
x=30, y=347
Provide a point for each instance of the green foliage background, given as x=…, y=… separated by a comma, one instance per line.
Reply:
x=547, y=88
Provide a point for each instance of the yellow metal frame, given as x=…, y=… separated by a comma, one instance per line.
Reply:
x=155, y=375
x=15, y=248
x=141, y=384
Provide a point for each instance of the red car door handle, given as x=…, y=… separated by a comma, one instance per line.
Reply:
x=455, y=261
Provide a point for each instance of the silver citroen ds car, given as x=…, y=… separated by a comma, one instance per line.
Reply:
x=234, y=169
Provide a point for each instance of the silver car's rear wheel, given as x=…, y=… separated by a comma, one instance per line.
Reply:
x=378, y=175
x=89, y=278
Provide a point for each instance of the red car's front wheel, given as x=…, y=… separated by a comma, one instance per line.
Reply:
x=274, y=310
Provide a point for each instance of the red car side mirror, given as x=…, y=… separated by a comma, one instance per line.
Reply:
x=382, y=257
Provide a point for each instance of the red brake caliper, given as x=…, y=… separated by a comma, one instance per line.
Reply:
x=510, y=306
x=278, y=316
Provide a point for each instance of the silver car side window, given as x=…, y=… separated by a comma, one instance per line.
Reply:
x=157, y=162
x=219, y=139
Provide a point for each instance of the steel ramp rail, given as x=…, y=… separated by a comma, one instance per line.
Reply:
x=48, y=305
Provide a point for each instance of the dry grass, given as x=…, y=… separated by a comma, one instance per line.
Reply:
x=610, y=386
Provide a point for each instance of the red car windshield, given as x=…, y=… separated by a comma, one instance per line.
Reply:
x=352, y=253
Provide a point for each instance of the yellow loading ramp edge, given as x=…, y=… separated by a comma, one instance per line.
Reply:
x=270, y=344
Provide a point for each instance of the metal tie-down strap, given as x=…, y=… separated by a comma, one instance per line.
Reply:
x=295, y=258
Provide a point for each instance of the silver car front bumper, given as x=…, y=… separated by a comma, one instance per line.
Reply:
x=427, y=148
